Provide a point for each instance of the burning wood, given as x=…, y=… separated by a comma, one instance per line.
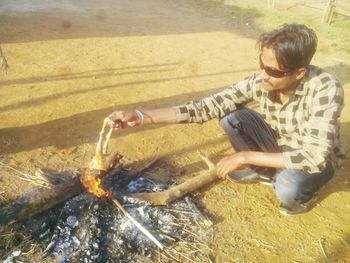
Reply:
x=91, y=178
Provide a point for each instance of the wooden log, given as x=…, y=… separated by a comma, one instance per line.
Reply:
x=175, y=192
x=63, y=186
x=39, y=200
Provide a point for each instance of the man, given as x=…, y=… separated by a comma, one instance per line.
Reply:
x=293, y=142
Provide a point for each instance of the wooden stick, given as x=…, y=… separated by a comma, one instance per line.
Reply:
x=105, y=145
x=175, y=192
x=97, y=162
x=324, y=252
x=138, y=225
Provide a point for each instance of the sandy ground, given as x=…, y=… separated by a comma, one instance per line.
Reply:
x=74, y=62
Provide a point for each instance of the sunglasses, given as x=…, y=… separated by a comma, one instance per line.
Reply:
x=272, y=72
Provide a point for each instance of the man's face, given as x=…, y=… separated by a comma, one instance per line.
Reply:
x=273, y=77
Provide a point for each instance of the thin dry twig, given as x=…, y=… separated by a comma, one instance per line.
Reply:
x=159, y=255
x=170, y=255
x=190, y=232
x=13, y=169
x=2, y=195
x=182, y=255
x=194, y=244
x=322, y=249
x=262, y=243
x=180, y=211
x=7, y=234
x=190, y=249
x=34, y=179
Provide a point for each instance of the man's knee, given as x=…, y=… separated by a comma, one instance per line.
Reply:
x=290, y=187
x=232, y=119
x=225, y=123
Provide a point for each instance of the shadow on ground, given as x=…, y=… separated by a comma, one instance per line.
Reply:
x=76, y=129
x=71, y=19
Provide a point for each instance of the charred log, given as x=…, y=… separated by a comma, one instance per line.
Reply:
x=39, y=200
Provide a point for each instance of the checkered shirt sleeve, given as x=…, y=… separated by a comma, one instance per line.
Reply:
x=217, y=105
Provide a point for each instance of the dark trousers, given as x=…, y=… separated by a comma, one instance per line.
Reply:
x=248, y=131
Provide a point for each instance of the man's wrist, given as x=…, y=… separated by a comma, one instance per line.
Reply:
x=141, y=116
x=244, y=157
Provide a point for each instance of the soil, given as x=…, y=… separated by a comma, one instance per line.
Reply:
x=74, y=62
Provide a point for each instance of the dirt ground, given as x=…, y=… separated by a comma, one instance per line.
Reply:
x=74, y=62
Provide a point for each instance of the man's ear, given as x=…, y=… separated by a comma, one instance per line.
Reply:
x=300, y=73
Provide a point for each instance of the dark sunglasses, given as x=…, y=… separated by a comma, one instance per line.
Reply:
x=272, y=72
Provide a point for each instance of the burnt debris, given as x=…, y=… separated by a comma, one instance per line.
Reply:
x=90, y=229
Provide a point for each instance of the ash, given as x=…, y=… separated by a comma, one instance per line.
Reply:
x=89, y=229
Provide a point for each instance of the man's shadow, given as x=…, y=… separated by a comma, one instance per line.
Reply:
x=340, y=182
x=341, y=179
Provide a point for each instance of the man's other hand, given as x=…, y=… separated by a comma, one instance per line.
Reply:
x=229, y=164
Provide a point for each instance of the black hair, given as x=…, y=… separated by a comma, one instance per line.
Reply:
x=294, y=45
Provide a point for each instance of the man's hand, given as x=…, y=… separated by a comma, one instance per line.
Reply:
x=229, y=164
x=124, y=119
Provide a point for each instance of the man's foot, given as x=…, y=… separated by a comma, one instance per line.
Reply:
x=297, y=209
x=249, y=176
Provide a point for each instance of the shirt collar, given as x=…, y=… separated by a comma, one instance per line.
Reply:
x=302, y=87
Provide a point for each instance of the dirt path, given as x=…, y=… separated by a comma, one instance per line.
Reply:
x=73, y=62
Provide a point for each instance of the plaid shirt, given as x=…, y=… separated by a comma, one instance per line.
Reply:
x=308, y=121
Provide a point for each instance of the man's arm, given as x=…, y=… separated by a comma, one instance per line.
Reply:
x=132, y=118
x=214, y=106
x=163, y=115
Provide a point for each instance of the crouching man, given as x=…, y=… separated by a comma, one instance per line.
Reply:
x=293, y=141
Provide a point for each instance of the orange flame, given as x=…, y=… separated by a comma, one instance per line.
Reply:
x=92, y=184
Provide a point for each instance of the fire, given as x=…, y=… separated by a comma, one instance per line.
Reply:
x=90, y=179
x=92, y=184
